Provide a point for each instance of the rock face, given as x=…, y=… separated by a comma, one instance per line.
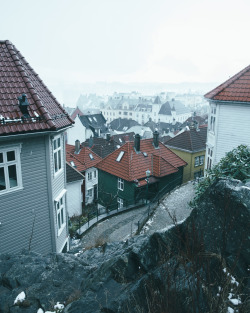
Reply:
x=198, y=266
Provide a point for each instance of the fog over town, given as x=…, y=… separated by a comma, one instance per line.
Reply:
x=81, y=47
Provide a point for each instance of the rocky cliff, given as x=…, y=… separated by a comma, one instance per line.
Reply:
x=201, y=265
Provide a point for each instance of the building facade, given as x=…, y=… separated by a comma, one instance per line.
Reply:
x=33, y=210
x=228, y=120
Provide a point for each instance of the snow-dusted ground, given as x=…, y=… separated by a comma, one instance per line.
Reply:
x=173, y=207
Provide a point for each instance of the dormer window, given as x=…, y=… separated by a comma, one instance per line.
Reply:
x=91, y=156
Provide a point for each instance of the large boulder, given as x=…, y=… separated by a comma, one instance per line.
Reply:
x=200, y=265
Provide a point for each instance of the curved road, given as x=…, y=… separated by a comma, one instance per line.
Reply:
x=122, y=226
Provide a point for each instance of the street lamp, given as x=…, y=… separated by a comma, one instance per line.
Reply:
x=147, y=174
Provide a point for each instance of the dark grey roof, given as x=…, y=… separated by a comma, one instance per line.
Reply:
x=191, y=140
x=179, y=107
x=157, y=100
x=72, y=174
x=173, y=105
x=165, y=109
x=102, y=147
x=94, y=121
x=122, y=124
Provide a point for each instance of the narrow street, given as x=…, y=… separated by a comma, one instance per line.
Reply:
x=116, y=228
x=121, y=227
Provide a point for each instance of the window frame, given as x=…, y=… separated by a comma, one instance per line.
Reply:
x=199, y=160
x=5, y=164
x=60, y=208
x=120, y=184
x=58, y=152
x=90, y=176
x=120, y=203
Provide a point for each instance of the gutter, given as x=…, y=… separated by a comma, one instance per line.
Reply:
x=184, y=150
x=34, y=134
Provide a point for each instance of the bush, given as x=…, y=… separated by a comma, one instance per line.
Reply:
x=236, y=164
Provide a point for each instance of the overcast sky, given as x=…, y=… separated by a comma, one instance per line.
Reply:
x=130, y=40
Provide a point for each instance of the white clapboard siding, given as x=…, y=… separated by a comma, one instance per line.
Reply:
x=233, y=128
x=74, y=198
x=18, y=208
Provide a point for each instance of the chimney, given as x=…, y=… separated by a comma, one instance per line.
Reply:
x=156, y=139
x=77, y=146
x=137, y=143
x=91, y=142
x=23, y=105
x=108, y=137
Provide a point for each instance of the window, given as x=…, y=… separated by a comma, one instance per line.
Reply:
x=90, y=193
x=10, y=169
x=120, y=203
x=94, y=174
x=198, y=174
x=57, y=151
x=60, y=210
x=91, y=156
x=212, y=119
x=120, y=184
x=202, y=157
x=120, y=156
x=199, y=160
x=209, y=158
x=90, y=176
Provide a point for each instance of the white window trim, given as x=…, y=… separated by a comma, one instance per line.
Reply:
x=120, y=184
x=17, y=149
x=57, y=200
x=120, y=202
x=56, y=173
x=90, y=176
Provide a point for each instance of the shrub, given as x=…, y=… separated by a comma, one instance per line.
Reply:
x=236, y=164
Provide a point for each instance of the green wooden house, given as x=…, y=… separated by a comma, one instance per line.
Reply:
x=138, y=171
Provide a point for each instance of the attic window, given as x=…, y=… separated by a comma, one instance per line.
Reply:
x=90, y=119
x=118, y=146
x=120, y=156
x=72, y=164
x=120, y=140
x=145, y=154
x=91, y=156
x=95, y=119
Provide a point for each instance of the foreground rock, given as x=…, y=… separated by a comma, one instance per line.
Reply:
x=198, y=266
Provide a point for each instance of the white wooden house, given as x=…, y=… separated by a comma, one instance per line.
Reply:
x=33, y=211
x=229, y=116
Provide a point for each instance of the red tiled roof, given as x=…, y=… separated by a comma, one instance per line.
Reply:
x=82, y=160
x=133, y=166
x=75, y=113
x=237, y=88
x=17, y=78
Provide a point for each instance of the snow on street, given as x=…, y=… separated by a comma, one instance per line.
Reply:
x=173, y=207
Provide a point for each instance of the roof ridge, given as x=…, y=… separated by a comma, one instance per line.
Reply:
x=227, y=83
x=16, y=56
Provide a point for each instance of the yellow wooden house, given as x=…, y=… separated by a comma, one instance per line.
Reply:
x=190, y=145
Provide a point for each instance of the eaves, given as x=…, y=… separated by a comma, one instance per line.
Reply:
x=185, y=150
x=33, y=134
